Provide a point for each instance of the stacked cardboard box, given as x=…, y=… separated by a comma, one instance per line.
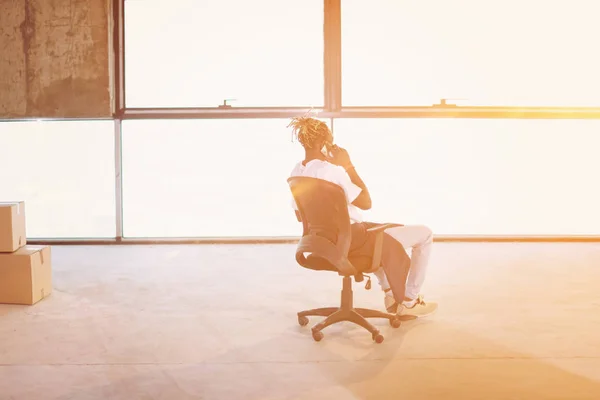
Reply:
x=25, y=271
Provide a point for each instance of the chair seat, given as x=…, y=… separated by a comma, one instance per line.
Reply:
x=319, y=264
x=329, y=258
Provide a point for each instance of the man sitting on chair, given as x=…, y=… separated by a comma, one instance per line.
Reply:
x=323, y=160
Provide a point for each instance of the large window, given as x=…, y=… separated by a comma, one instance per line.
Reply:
x=511, y=52
x=227, y=178
x=218, y=177
x=65, y=173
x=208, y=178
x=480, y=177
x=197, y=53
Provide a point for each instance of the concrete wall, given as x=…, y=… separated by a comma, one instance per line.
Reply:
x=54, y=58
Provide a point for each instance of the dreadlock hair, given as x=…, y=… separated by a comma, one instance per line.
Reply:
x=309, y=131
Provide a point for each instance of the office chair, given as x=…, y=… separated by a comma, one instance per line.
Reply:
x=325, y=242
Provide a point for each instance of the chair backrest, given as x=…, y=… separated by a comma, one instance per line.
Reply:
x=326, y=225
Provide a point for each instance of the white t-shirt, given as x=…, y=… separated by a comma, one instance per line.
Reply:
x=335, y=174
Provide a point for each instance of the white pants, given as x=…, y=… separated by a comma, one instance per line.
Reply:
x=419, y=239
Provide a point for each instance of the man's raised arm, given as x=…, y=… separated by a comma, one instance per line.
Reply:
x=341, y=158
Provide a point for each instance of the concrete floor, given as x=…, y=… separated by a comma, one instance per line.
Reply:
x=516, y=321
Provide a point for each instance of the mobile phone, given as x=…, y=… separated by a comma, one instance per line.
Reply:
x=327, y=149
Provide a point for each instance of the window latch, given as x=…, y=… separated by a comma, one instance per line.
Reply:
x=444, y=103
x=225, y=105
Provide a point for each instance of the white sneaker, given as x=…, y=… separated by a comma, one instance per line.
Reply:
x=391, y=305
x=417, y=310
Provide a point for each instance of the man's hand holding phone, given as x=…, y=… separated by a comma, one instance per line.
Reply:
x=339, y=156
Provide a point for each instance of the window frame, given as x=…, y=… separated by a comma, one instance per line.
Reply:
x=332, y=109
x=331, y=28
x=332, y=90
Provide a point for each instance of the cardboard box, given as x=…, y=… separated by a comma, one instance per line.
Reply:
x=12, y=226
x=25, y=275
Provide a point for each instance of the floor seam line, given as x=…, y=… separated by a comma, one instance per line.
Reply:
x=302, y=362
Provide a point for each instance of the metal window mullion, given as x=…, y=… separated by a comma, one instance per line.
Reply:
x=369, y=112
x=332, y=55
x=118, y=179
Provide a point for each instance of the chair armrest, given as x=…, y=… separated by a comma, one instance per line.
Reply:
x=383, y=227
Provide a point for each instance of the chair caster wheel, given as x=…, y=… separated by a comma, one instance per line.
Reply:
x=395, y=322
x=303, y=321
x=317, y=335
x=378, y=338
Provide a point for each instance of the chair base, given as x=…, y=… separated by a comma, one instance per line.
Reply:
x=346, y=312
